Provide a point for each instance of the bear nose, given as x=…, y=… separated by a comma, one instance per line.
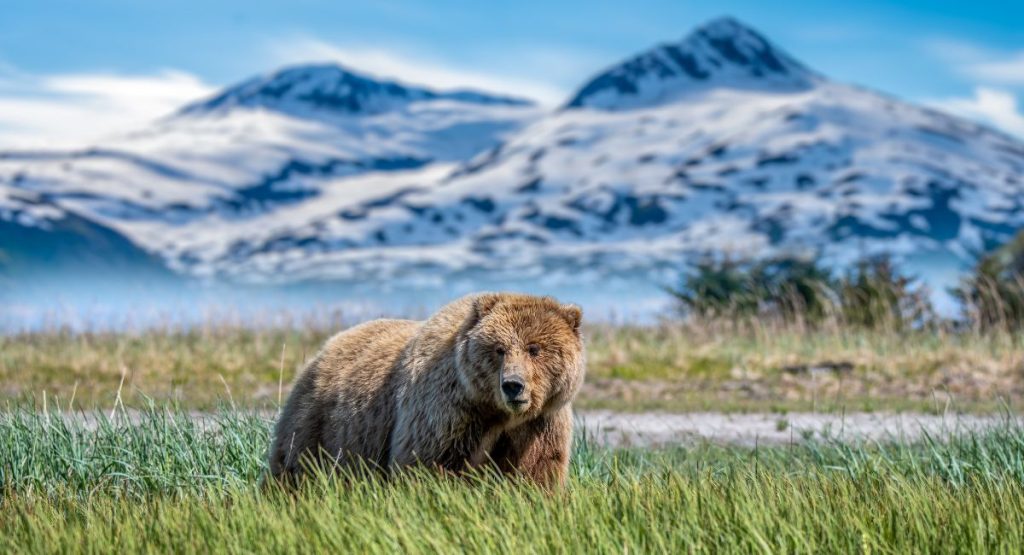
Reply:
x=512, y=387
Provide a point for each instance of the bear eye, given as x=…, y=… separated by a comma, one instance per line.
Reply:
x=533, y=349
x=500, y=351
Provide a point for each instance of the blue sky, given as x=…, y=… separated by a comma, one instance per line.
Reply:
x=74, y=70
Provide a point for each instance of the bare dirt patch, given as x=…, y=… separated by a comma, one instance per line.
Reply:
x=651, y=429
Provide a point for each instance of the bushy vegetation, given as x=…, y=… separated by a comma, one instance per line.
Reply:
x=872, y=295
x=993, y=295
x=876, y=296
x=160, y=480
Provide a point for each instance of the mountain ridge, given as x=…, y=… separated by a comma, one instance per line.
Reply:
x=331, y=87
x=741, y=150
x=720, y=53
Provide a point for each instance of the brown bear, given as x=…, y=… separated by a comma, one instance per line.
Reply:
x=487, y=380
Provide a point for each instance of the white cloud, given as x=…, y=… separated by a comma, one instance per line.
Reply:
x=980, y=63
x=995, y=107
x=995, y=75
x=1009, y=70
x=418, y=69
x=71, y=109
x=957, y=51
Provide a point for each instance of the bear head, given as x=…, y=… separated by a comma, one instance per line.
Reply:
x=521, y=355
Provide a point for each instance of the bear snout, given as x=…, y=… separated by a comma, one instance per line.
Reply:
x=513, y=387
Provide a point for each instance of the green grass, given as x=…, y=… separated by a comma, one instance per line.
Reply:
x=670, y=366
x=164, y=481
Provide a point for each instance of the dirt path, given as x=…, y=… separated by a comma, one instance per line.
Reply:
x=661, y=429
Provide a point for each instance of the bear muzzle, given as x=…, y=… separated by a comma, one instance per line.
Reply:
x=513, y=389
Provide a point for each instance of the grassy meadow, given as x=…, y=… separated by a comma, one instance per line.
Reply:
x=152, y=440
x=673, y=366
x=163, y=481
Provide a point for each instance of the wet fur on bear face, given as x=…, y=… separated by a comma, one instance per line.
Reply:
x=521, y=355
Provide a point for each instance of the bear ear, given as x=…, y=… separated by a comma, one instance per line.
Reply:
x=482, y=305
x=572, y=314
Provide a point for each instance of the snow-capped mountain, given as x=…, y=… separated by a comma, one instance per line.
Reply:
x=328, y=90
x=721, y=54
x=270, y=142
x=720, y=142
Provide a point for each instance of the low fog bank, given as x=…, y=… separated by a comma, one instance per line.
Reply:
x=83, y=303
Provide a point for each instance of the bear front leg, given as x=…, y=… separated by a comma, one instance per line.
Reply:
x=297, y=436
x=417, y=439
x=539, y=450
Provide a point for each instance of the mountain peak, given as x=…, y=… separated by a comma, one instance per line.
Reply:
x=314, y=89
x=722, y=53
x=723, y=26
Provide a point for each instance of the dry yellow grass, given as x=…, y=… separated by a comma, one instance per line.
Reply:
x=667, y=366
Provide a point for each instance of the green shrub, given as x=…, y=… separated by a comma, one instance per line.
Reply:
x=793, y=289
x=872, y=295
x=993, y=294
x=718, y=288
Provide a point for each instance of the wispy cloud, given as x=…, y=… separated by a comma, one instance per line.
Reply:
x=64, y=110
x=1009, y=70
x=418, y=68
x=995, y=107
x=995, y=76
x=69, y=109
x=980, y=63
x=956, y=51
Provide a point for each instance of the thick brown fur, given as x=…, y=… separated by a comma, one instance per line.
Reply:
x=393, y=393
